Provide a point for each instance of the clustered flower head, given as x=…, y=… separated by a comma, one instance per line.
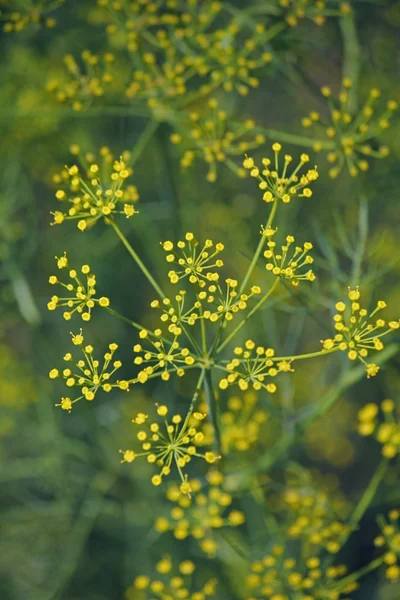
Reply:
x=85, y=82
x=179, y=312
x=357, y=333
x=215, y=139
x=170, y=443
x=276, y=182
x=383, y=424
x=316, y=10
x=192, y=261
x=82, y=299
x=201, y=516
x=96, y=189
x=89, y=376
x=172, y=582
x=350, y=137
x=17, y=16
x=288, y=264
x=165, y=357
x=282, y=575
x=389, y=539
x=253, y=365
x=227, y=302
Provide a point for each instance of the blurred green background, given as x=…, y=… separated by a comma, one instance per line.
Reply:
x=76, y=524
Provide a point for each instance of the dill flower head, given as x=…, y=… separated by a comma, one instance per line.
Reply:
x=165, y=357
x=96, y=189
x=86, y=372
x=171, y=582
x=383, y=422
x=358, y=333
x=226, y=302
x=84, y=81
x=216, y=139
x=389, y=540
x=252, y=365
x=177, y=311
x=350, y=136
x=316, y=10
x=32, y=13
x=166, y=443
x=82, y=292
x=289, y=264
x=284, y=574
x=203, y=515
x=192, y=261
x=276, y=182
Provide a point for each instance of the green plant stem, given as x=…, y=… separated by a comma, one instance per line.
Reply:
x=368, y=494
x=213, y=408
x=296, y=140
x=117, y=314
x=351, y=56
x=375, y=564
x=143, y=139
x=136, y=258
x=259, y=247
x=248, y=316
x=194, y=398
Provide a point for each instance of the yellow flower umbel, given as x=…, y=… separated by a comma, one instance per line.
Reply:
x=83, y=83
x=348, y=134
x=316, y=10
x=82, y=300
x=384, y=425
x=95, y=190
x=182, y=313
x=290, y=265
x=275, y=180
x=193, y=262
x=253, y=365
x=89, y=376
x=171, y=582
x=33, y=13
x=203, y=515
x=166, y=357
x=170, y=443
x=283, y=575
x=216, y=139
x=389, y=539
x=357, y=334
x=227, y=302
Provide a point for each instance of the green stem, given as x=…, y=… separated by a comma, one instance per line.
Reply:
x=248, y=316
x=296, y=140
x=194, y=398
x=137, y=259
x=375, y=564
x=117, y=314
x=259, y=248
x=213, y=408
x=305, y=356
x=368, y=494
x=144, y=138
x=351, y=56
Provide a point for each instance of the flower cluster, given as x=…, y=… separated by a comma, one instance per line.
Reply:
x=171, y=582
x=81, y=300
x=166, y=356
x=348, y=135
x=387, y=432
x=289, y=265
x=390, y=540
x=357, y=333
x=252, y=365
x=178, y=315
x=227, y=301
x=316, y=10
x=85, y=82
x=32, y=13
x=97, y=189
x=279, y=575
x=275, y=181
x=192, y=262
x=90, y=377
x=172, y=442
x=215, y=139
x=201, y=516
